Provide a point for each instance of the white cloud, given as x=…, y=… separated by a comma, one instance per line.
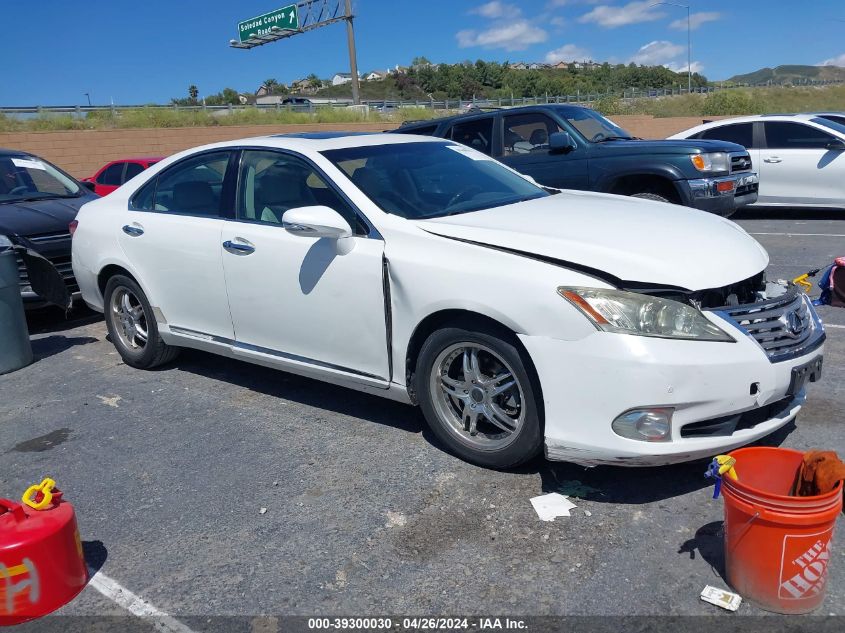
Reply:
x=511, y=36
x=663, y=53
x=834, y=61
x=497, y=9
x=557, y=21
x=567, y=53
x=696, y=20
x=632, y=13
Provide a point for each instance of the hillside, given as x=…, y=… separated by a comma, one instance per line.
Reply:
x=791, y=74
x=492, y=80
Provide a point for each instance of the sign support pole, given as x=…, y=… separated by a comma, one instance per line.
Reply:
x=353, y=61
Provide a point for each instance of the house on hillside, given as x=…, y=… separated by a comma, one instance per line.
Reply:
x=561, y=65
x=518, y=66
x=263, y=90
x=342, y=78
x=375, y=75
x=304, y=85
x=401, y=70
x=537, y=66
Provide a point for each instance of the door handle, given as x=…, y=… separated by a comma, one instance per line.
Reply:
x=133, y=231
x=773, y=159
x=238, y=248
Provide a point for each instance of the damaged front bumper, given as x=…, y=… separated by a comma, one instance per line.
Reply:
x=722, y=395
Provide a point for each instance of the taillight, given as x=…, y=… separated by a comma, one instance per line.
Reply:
x=72, y=226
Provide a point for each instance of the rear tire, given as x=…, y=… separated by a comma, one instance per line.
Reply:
x=480, y=396
x=132, y=327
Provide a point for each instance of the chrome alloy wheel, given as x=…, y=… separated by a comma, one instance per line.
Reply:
x=129, y=319
x=476, y=393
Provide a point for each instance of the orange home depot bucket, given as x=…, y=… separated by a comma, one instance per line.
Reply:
x=777, y=547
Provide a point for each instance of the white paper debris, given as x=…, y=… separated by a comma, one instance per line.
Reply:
x=721, y=598
x=552, y=505
x=27, y=163
x=262, y=511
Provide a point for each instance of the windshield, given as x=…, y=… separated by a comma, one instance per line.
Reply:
x=831, y=124
x=29, y=178
x=430, y=180
x=593, y=126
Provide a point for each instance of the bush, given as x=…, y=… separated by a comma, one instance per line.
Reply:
x=731, y=102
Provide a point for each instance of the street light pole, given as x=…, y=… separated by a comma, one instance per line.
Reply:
x=689, y=40
x=353, y=61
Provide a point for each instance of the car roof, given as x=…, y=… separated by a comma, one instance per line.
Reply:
x=13, y=152
x=143, y=159
x=320, y=135
x=557, y=107
x=800, y=116
x=316, y=142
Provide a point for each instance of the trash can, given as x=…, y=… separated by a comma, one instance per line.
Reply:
x=15, y=349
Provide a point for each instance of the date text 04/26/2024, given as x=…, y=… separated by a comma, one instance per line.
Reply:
x=417, y=623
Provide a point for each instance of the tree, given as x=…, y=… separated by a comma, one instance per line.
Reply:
x=271, y=85
x=420, y=61
x=193, y=92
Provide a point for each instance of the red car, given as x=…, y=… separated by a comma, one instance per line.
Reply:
x=117, y=172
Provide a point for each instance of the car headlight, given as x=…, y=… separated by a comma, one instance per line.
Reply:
x=714, y=161
x=625, y=312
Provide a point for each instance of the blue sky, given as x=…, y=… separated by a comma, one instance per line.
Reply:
x=150, y=51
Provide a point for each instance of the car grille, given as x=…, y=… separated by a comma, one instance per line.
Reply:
x=62, y=264
x=729, y=424
x=785, y=327
x=746, y=189
x=740, y=163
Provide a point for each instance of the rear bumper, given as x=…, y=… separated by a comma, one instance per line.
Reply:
x=725, y=194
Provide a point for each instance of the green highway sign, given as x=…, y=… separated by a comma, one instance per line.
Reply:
x=286, y=18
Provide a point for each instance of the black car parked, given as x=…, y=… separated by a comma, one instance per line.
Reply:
x=571, y=147
x=37, y=203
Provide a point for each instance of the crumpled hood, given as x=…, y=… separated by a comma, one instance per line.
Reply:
x=631, y=239
x=40, y=216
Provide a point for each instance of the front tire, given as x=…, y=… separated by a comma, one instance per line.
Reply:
x=479, y=396
x=132, y=326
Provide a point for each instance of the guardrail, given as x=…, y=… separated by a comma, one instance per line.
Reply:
x=387, y=104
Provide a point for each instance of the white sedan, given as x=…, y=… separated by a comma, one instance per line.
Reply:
x=800, y=158
x=611, y=330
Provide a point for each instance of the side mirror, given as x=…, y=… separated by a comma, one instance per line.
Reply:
x=836, y=145
x=316, y=221
x=88, y=184
x=561, y=142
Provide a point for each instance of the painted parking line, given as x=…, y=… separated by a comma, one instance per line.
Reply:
x=838, y=327
x=136, y=605
x=803, y=234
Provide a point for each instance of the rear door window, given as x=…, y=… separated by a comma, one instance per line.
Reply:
x=132, y=170
x=739, y=133
x=193, y=186
x=477, y=134
x=785, y=135
x=113, y=175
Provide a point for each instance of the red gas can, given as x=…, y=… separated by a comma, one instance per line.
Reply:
x=41, y=561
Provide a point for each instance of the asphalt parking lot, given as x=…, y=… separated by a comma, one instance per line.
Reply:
x=169, y=471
